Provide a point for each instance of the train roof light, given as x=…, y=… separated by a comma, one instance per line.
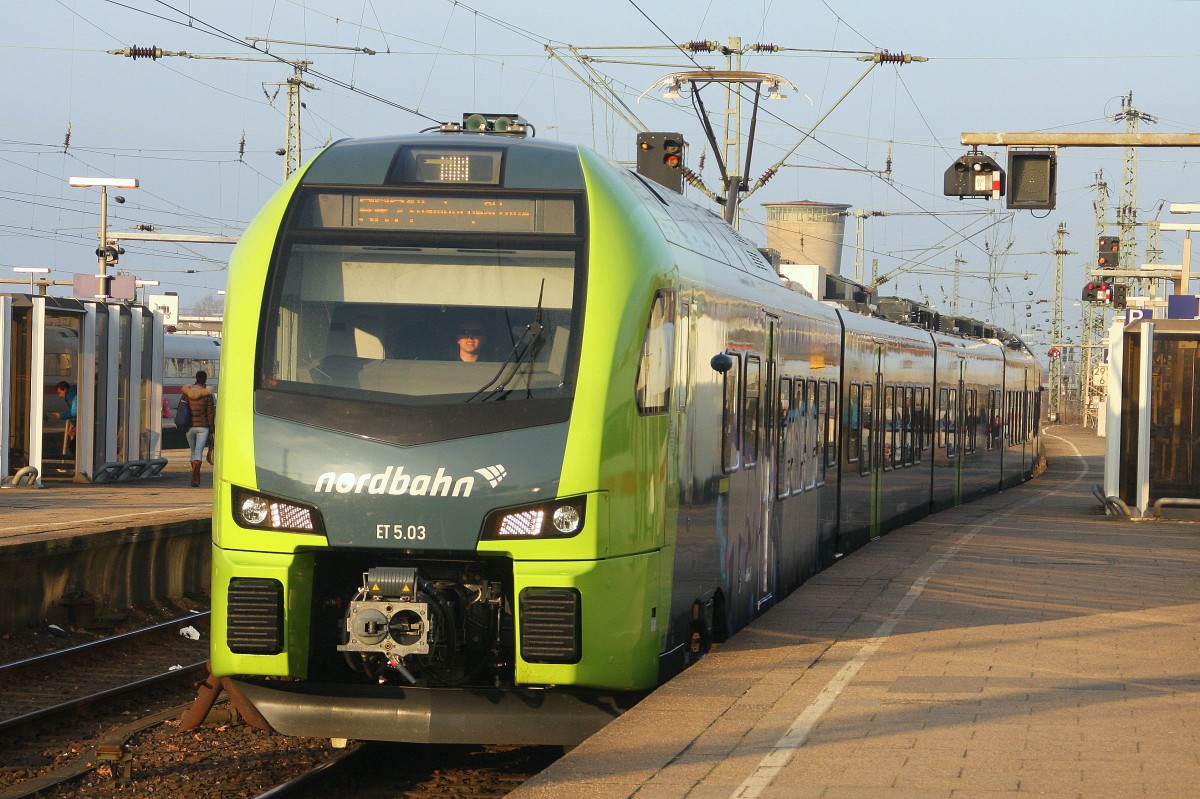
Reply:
x=500, y=124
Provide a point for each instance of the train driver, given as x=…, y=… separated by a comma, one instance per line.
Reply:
x=471, y=339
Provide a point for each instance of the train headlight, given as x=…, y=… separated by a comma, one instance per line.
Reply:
x=566, y=519
x=259, y=511
x=254, y=510
x=560, y=518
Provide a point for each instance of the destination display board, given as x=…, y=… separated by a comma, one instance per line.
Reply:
x=384, y=210
x=444, y=213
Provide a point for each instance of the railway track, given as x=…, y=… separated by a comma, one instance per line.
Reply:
x=67, y=680
x=49, y=702
x=102, y=719
x=418, y=771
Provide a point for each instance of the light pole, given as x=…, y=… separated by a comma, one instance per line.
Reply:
x=31, y=271
x=104, y=255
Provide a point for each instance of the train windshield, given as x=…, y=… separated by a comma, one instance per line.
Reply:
x=424, y=318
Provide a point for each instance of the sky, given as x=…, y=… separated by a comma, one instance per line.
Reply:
x=201, y=133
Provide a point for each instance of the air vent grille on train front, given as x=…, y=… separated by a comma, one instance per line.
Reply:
x=549, y=620
x=255, y=616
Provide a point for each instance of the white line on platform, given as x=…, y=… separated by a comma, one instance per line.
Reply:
x=797, y=734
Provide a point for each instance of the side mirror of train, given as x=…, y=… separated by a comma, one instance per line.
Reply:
x=721, y=362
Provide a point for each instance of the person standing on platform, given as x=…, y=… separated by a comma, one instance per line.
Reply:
x=204, y=420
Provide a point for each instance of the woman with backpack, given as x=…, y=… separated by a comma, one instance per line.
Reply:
x=203, y=406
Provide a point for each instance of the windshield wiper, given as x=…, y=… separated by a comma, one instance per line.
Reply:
x=524, y=351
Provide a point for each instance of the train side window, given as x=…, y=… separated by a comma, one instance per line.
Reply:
x=831, y=426
x=799, y=457
x=1000, y=420
x=812, y=436
x=908, y=426
x=1028, y=414
x=995, y=421
x=942, y=413
x=658, y=346
x=972, y=419
x=918, y=423
x=683, y=360
x=1027, y=408
x=1009, y=418
x=731, y=445
x=853, y=412
x=866, y=429
x=784, y=453
x=751, y=411
x=888, y=412
x=819, y=454
x=953, y=415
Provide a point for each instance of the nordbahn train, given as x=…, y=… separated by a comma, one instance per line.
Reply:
x=659, y=438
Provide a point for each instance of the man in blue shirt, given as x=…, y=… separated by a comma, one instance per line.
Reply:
x=70, y=395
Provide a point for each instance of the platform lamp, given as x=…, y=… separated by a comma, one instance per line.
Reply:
x=141, y=284
x=31, y=271
x=104, y=254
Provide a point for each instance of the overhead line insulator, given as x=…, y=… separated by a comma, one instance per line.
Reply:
x=135, y=52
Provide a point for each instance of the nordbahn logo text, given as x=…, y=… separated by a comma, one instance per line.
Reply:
x=394, y=480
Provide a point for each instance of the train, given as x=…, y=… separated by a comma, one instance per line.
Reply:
x=657, y=439
x=184, y=354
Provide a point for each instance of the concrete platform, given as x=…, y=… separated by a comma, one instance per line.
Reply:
x=71, y=550
x=64, y=509
x=1025, y=644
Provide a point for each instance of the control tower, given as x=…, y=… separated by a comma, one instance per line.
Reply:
x=808, y=236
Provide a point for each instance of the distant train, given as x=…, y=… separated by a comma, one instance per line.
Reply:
x=183, y=356
x=658, y=439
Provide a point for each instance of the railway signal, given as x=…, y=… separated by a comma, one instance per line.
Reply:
x=1031, y=176
x=660, y=158
x=1098, y=291
x=1120, y=296
x=1108, y=252
x=974, y=175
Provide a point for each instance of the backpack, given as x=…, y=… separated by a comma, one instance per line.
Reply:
x=183, y=414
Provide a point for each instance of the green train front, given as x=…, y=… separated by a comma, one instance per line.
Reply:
x=393, y=525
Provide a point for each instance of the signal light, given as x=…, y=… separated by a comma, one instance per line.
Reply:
x=660, y=158
x=974, y=175
x=672, y=154
x=1108, y=252
x=1097, y=291
x=1120, y=296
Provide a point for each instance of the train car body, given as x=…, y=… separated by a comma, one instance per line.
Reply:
x=650, y=449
